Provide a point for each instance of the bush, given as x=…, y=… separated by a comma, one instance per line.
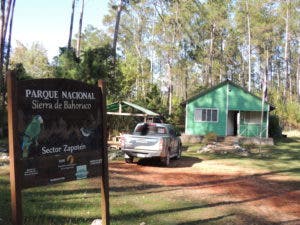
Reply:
x=275, y=130
x=210, y=137
x=3, y=123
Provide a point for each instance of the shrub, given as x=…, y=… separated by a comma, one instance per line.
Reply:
x=275, y=129
x=210, y=137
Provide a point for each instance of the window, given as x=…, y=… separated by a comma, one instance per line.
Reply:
x=203, y=118
x=206, y=115
x=253, y=117
x=214, y=115
x=147, y=128
x=161, y=130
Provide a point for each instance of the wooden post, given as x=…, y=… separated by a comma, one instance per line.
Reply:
x=14, y=155
x=227, y=106
x=267, y=128
x=104, y=177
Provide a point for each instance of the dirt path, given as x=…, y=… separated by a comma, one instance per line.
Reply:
x=269, y=195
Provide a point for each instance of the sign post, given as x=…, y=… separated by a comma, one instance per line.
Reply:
x=57, y=133
x=104, y=177
x=15, y=181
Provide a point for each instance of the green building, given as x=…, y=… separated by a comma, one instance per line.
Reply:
x=227, y=110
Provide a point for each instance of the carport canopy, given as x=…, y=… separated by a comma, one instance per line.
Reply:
x=124, y=108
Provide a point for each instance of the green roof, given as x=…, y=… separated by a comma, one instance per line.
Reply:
x=219, y=85
x=115, y=107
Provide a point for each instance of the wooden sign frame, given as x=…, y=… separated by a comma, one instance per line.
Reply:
x=17, y=163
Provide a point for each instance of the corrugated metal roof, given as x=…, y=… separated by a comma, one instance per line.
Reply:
x=114, y=107
x=219, y=85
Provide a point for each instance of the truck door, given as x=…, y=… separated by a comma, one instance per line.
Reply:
x=173, y=140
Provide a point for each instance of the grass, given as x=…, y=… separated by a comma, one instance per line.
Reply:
x=284, y=157
x=292, y=133
x=67, y=204
x=133, y=202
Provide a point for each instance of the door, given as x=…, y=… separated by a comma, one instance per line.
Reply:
x=232, y=123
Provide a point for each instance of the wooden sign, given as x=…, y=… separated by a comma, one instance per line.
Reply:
x=57, y=132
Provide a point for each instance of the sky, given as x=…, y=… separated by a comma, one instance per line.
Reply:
x=48, y=21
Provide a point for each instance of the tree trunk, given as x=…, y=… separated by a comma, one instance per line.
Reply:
x=186, y=86
x=141, y=69
x=79, y=30
x=211, y=55
x=266, y=78
x=118, y=18
x=271, y=72
x=5, y=17
x=286, y=58
x=222, y=61
x=298, y=79
x=278, y=78
x=71, y=25
x=242, y=78
x=2, y=39
x=169, y=88
x=249, y=46
x=291, y=83
x=9, y=36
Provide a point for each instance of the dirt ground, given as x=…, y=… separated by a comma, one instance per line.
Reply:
x=269, y=195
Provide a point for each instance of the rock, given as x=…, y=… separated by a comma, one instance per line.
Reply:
x=115, y=154
x=236, y=146
x=203, y=150
x=4, y=157
x=142, y=223
x=97, y=222
x=243, y=150
x=112, y=156
x=245, y=154
x=211, y=146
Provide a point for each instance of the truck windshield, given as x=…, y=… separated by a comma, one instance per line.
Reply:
x=145, y=129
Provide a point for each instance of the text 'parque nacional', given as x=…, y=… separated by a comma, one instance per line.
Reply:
x=54, y=94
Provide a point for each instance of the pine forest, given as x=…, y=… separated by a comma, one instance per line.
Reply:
x=158, y=53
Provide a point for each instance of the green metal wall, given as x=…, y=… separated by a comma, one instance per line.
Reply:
x=241, y=100
x=213, y=99
x=238, y=100
x=252, y=130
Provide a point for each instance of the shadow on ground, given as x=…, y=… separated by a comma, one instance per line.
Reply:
x=183, y=162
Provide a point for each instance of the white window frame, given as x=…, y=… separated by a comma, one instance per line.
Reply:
x=251, y=117
x=198, y=116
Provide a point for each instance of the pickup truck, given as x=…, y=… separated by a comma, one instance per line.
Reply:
x=152, y=140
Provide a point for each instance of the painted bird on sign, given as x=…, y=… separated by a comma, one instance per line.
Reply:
x=86, y=132
x=31, y=134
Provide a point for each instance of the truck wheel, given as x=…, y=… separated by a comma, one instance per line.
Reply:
x=129, y=159
x=179, y=152
x=166, y=160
